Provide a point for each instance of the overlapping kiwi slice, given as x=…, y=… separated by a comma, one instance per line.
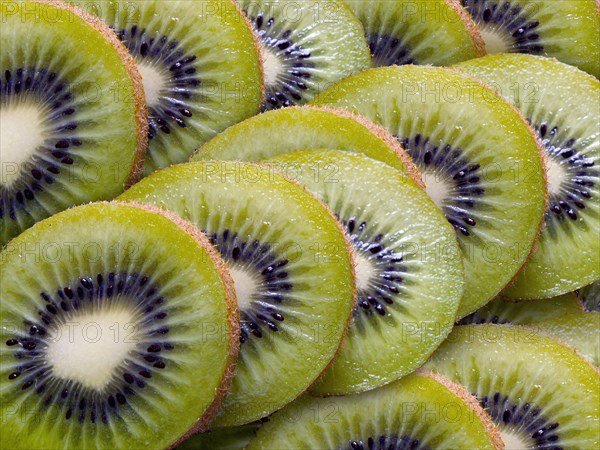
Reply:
x=438, y=32
x=306, y=46
x=567, y=30
x=119, y=330
x=200, y=64
x=409, y=273
x=421, y=411
x=479, y=159
x=281, y=131
x=66, y=137
x=292, y=270
x=540, y=393
x=562, y=106
x=228, y=438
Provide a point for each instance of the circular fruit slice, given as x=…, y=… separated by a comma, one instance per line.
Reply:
x=65, y=139
x=590, y=296
x=201, y=69
x=567, y=30
x=421, y=411
x=469, y=144
x=408, y=267
x=306, y=45
x=540, y=393
x=284, y=130
x=119, y=328
x=563, y=106
x=292, y=269
x=438, y=32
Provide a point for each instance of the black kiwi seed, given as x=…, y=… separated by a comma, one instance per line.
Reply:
x=53, y=155
x=173, y=109
x=451, y=166
x=387, y=443
x=32, y=369
x=260, y=260
x=514, y=20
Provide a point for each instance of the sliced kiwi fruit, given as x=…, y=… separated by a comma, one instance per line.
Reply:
x=590, y=296
x=468, y=142
x=292, y=269
x=540, y=393
x=437, y=32
x=228, y=438
x=421, y=411
x=65, y=139
x=567, y=30
x=562, y=106
x=281, y=131
x=525, y=311
x=119, y=330
x=408, y=266
x=306, y=46
x=200, y=64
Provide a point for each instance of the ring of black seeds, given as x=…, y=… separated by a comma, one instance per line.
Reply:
x=388, y=267
x=525, y=419
x=173, y=109
x=260, y=260
x=389, y=50
x=513, y=19
x=450, y=165
x=387, y=443
x=289, y=88
x=80, y=402
x=52, y=93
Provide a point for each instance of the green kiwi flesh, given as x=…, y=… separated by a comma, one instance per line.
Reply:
x=295, y=128
x=562, y=106
x=408, y=266
x=291, y=264
x=119, y=330
x=540, y=393
x=200, y=65
x=590, y=296
x=306, y=46
x=467, y=142
x=437, y=32
x=421, y=411
x=65, y=138
x=566, y=30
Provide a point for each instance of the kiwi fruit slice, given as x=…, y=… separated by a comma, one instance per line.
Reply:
x=409, y=272
x=540, y=393
x=306, y=46
x=566, y=30
x=200, y=64
x=119, y=329
x=437, y=32
x=283, y=130
x=421, y=411
x=228, y=438
x=590, y=296
x=525, y=311
x=563, y=108
x=467, y=141
x=292, y=268
x=64, y=137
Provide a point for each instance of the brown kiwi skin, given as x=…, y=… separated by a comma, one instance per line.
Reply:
x=233, y=316
x=472, y=27
x=139, y=97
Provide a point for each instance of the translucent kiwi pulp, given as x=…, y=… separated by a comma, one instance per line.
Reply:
x=292, y=270
x=540, y=393
x=408, y=267
x=66, y=138
x=306, y=45
x=563, y=106
x=119, y=330
x=276, y=132
x=421, y=412
x=200, y=65
x=478, y=157
x=437, y=32
x=567, y=30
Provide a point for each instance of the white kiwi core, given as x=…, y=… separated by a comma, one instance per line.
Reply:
x=556, y=176
x=272, y=66
x=513, y=441
x=245, y=286
x=154, y=80
x=496, y=40
x=364, y=271
x=436, y=188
